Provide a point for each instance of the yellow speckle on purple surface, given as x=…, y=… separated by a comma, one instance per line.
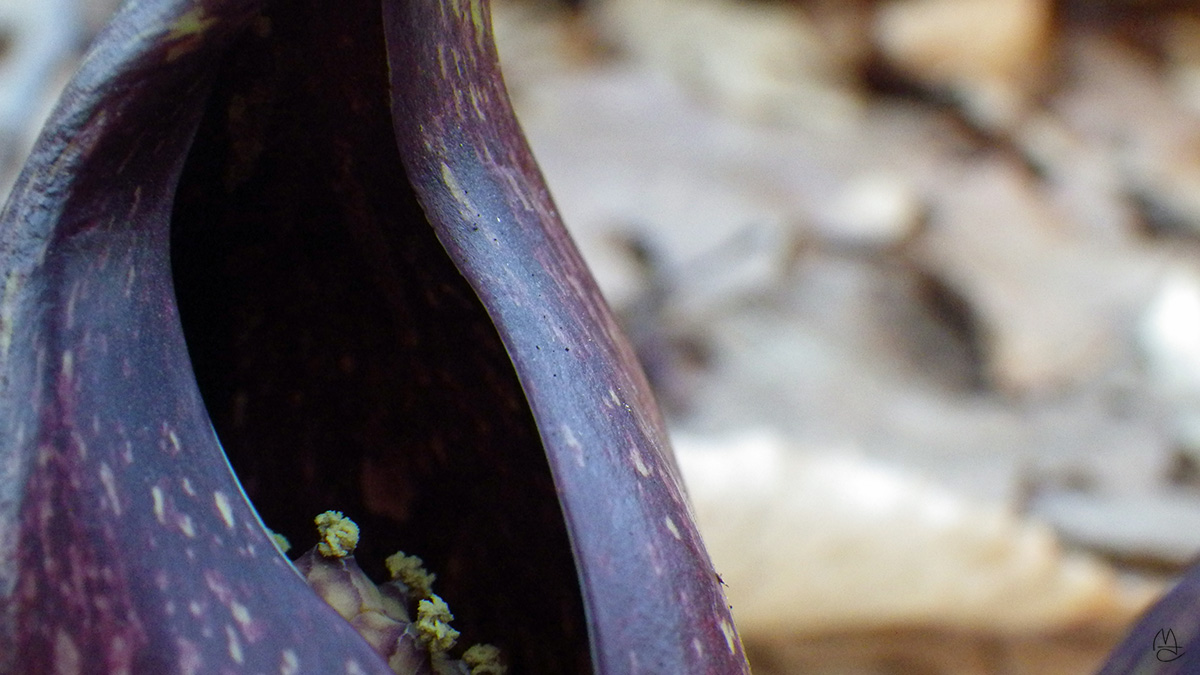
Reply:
x=289, y=663
x=67, y=659
x=477, y=19
x=281, y=542
x=674, y=529
x=241, y=614
x=466, y=209
x=730, y=635
x=186, y=33
x=186, y=526
x=639, y=463
x=8, y=303
x=223, y=508
x=160, y=513
x=235, y=645
x=109, y=481
x=68, y=364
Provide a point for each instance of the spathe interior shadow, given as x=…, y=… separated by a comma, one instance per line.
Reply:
x=345, y=362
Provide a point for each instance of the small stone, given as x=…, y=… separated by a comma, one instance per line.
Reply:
x=988, y=52
x=1169, y=337
x=1164, y=526
x=880, y=546
x=873, y=211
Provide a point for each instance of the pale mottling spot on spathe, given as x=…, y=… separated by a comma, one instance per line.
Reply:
x=478, y=16
x=72, y=298
x=8, y=303
x=289, y=663
x=698, y=647
x=108, y=480
x=160, y=511
x=635, y=455
x=475, y=96
x=187, y=487
x=67, y=660
x=186, y=526
x=120, y=656
x=466, y=209
x=353, y=668
x=195, y=608
x=730, y=635
x=174, y=439
x=184, y=36
x=673, y=528
x=235, y=646
x=189, y=657
x=80, y=444
x=68, y=364
x=217, y=584
x=574, y=444
x=656, y=559
x=224, y=508
x=240, y=613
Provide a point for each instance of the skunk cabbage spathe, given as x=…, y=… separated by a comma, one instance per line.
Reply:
x=316, y=228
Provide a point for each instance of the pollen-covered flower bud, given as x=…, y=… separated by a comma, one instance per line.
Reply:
x=484, y=659
x=331, y=570
x=433, y=623
x=382, y=614
x=410, y=571
x=339, y=534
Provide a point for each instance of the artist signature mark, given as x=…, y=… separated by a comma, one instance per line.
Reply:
x=1166, y=649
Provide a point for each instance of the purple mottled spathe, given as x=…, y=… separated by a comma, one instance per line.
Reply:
x=316, y=227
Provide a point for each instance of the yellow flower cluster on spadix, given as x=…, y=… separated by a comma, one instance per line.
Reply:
x=383, y=614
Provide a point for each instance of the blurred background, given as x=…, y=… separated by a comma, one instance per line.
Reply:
x=917, y=283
